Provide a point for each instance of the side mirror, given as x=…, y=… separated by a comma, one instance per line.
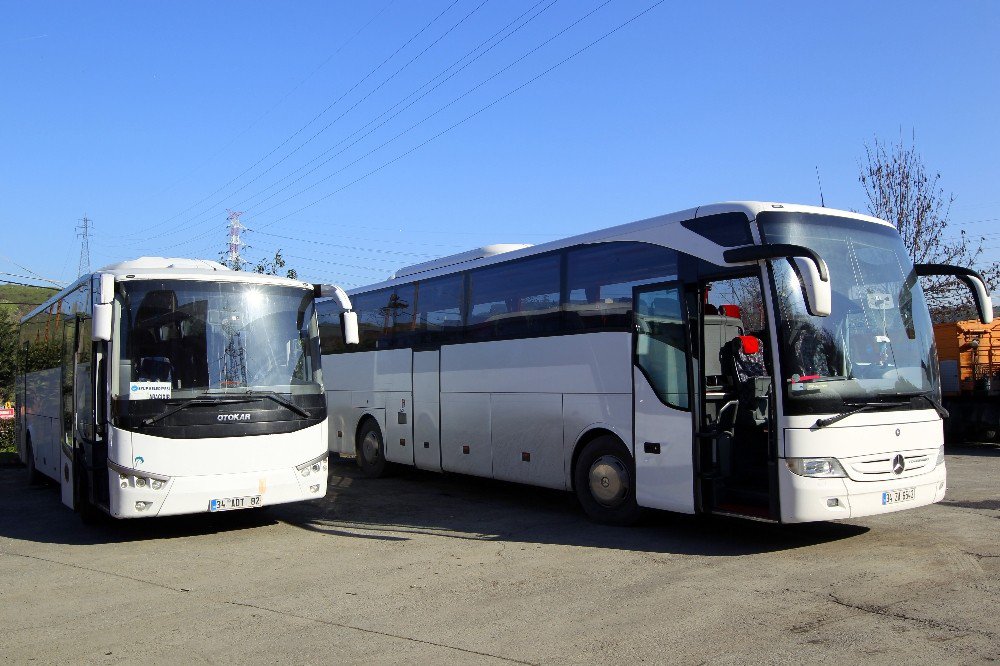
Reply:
x=349, y=326
x=973, y=280
x=101, y=322
x=810, y=267
x=105, y=292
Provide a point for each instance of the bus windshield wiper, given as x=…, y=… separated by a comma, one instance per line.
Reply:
x=203, y=399
x=926, y=395
x=281, y=400
x=866, y=407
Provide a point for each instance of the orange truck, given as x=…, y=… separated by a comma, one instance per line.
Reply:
x=969, y=356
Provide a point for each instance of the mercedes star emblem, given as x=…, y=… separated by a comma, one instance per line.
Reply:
x=898, y=464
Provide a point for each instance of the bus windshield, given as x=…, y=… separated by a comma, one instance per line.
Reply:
x=185, y=338
x=877, y=346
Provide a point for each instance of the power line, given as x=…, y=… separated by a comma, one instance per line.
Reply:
x=387, y=111
x=433, y=114
x=462, y=121
x=198, y=218
x=316, y=117
x=279, y=102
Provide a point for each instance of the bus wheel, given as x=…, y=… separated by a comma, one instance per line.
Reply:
x=34, y=476
x=604, y=479
x=371, y=451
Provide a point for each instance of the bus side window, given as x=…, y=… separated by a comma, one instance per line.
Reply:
x=600, y=278
x=661, y=349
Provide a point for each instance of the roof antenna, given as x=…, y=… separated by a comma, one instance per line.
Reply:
x=822, y=202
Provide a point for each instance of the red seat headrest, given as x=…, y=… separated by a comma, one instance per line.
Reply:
x=750, y=344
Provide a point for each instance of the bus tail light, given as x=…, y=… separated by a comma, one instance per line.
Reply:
x=828, y=468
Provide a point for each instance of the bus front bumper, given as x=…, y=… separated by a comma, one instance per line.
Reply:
x=209, y=493
x=807, y=499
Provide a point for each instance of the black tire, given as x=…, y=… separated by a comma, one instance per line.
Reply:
x=371, y=451
x=34, y=476
x=604, y=481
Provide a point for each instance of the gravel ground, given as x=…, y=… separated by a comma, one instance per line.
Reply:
x=424, y=568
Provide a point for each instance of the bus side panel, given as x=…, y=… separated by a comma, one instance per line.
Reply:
x=398, y=427
x=587, y=363
x=427, y=410
x=343, y=421
x=663, y=480
x=466, y=445
x=583, y=413
x=44, y=418
x=527, y=438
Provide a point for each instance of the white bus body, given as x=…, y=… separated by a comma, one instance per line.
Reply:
x=172, y=386
x=764, y=360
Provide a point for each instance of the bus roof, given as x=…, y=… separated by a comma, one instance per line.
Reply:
x=145, y=268
x=663, y=229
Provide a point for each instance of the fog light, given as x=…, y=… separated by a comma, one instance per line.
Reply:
x=314, y=489
x=832, y=501
x=142, y=506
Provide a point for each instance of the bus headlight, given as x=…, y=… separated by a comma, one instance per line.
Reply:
x=940, y=456
x=827, y=468
x=315, y=466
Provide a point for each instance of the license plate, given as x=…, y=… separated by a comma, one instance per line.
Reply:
x=230, y=503
x=897, y=496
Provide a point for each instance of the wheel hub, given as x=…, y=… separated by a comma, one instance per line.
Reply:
x=369, y=448
x=609, y=481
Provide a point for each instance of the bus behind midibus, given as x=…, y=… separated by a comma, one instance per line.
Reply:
x=763, y=360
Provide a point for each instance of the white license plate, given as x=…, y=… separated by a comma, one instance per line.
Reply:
x=230, y=503
x=899, y=495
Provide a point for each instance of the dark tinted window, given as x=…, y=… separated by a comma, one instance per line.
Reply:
x=401, y=306
x=374, y=318
x=517, y=298
x=439, y=309
x=600, y=277
x=725, y=229
x=331, y=335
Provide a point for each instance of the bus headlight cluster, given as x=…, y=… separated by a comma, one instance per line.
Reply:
x=827, y=468
x=137, y=481
x=314, y=466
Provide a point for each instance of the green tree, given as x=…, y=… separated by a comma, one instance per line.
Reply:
x=272, y=267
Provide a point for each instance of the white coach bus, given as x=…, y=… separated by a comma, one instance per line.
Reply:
x=170, y=386
x=756, y=359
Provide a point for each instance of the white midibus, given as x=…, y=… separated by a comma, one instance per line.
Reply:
x=170, y=386
x=764, y=360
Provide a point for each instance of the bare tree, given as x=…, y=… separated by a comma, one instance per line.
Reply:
x=901, y=190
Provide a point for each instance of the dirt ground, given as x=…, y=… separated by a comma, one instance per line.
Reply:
x=424, y=568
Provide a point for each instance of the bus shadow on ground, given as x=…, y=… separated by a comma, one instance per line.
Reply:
x=36, y=513
x=413, y=503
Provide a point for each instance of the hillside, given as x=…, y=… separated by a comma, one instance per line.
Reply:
x=23, y=298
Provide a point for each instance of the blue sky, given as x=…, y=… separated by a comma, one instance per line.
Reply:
x=153, y=118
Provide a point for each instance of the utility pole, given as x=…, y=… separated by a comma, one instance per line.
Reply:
x=235, y=242
x=83, y=233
